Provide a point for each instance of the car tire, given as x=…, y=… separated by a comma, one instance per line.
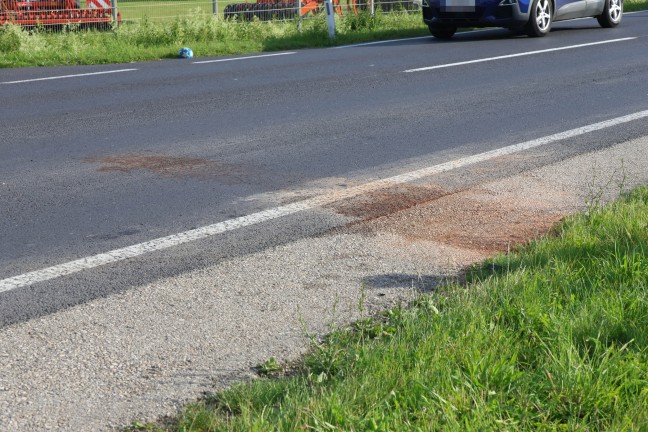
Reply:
x=612, y=14
x=442, y=32
x=540, y=18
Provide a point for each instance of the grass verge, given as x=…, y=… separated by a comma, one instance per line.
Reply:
x=551, y=337
x=153, y=40
x=147, y=40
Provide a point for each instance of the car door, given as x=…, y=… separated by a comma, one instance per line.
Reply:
x=566, y=9
x=594, y=7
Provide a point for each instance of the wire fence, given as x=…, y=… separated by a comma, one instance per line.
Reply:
x=102, y=13
x=264, y=10
x=284, y=11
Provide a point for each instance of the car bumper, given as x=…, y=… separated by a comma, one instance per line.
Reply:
x=485, y=14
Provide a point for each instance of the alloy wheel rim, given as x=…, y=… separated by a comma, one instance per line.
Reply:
x=615, y=10
x=543, y=14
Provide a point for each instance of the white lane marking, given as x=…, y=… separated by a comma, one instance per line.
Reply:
x=244, y=58
x=407, y=39
x=463, y=32
x=381, y=42
x=69, y=76
x=528, y=53
x=116, y=255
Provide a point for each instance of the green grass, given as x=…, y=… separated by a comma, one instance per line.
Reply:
x=551, y=337
x=160, y=9
x=635, y=5
x=151, y=39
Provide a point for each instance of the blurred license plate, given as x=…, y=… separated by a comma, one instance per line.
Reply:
x=458, y=5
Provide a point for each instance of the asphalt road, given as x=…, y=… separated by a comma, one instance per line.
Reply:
x=103, y=161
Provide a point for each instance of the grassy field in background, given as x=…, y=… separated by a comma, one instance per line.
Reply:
x=551, y=337
x=148, y=39
x=155, y=9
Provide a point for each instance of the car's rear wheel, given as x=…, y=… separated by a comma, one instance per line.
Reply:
x=442, y=32
x=612, y=13
x=541, y=18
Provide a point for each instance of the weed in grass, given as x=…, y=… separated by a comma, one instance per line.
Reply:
x=10, y=38
x=362, y=21
x=139, y=426
x=268, y=367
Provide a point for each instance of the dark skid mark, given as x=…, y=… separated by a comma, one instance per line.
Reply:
x=172, y=166
x=113, y=236
x=387, y=201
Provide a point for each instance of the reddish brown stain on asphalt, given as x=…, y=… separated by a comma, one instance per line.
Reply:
x=488, y=228
x=170, y=166
x=387, y=201
x=474, y=220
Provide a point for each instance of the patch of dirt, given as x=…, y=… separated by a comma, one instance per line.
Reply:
x=387, y=201
x=491, y=227
x=172, y=166
x=476, y=220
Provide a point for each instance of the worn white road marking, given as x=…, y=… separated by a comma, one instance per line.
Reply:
x=244, y=58
x=381, y=42
x=407, y=39
x=528, y=53
x=278, y=212
x=68, y=76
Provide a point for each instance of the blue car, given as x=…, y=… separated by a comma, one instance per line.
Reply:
x=534, y=17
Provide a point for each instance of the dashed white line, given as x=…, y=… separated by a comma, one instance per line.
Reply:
x=245, y=58
x=90, y=262
x=68, y=76
x=528, y=53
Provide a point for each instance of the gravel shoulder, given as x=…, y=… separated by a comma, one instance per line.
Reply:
x=142, y=353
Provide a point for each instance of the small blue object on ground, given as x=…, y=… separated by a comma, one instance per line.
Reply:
x=185, y=53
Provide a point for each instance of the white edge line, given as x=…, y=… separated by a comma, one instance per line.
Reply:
x=528, y=53
x=244, y=58
x=116, y=255
x=407, y=39
x=68, y=76
x=380, y=42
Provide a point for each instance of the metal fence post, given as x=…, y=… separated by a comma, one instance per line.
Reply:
x=215, y=7
x=113, y=8
x=372, y=7
x=299, y=16
x=330, y=18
